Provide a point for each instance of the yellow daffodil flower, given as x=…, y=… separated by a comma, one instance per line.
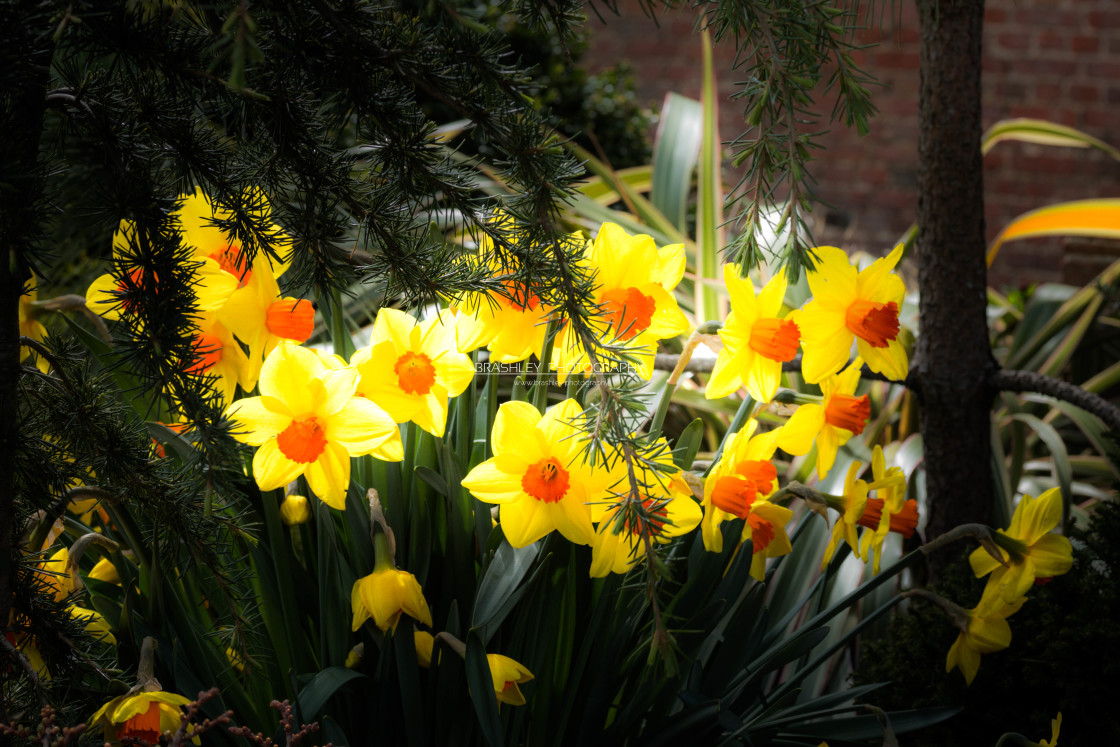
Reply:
x=29, y=324
x=1029, y=549
x=260, y=318
x=739, y=486
x=851, y=510
x=512, y=325
x=104, y=570
x=425, y=643
x=218, y=355
x=196, y=217
x=144, y=715
x=387, y=593
x=57, y=574
x=307, y=421
x=840, y=416
x=411, y=368
x=848, y=304
x=106, y=293
x=672, y=510
x=756, y=342
x=18, y=636
x=1055, y=727
x=538, y=475
x=507, y=675
x=634, y=282
x=96, y=625
x=987, y=631
x=888, y=512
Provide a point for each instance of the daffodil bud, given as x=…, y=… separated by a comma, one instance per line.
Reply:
x=295, y=510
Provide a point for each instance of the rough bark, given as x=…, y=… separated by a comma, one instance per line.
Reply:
x=26, y=55
x=954, y=354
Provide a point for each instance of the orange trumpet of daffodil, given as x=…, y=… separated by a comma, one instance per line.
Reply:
x=308, y=422
x=634, y=282
x=538, y=475
x=840, y=416
x=852, y=305
x=411, y=368
x=1030, y=551
x=756, y=342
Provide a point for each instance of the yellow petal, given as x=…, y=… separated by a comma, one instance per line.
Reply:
x=360, y=427
x=797, y=435
x=525, y=521
x=271, y=469
x=255, y=422
x=490, y=484
x=329, y=476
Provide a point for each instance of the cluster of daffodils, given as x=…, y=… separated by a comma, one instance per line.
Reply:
x=1020, y=556
x=241, y=316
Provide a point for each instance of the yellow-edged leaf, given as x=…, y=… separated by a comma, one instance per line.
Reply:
x=1096, y=218
x=1042, y=132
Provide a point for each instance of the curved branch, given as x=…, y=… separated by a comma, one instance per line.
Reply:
x=1030, y=381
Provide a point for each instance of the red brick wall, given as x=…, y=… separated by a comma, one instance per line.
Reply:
x=1053, y=59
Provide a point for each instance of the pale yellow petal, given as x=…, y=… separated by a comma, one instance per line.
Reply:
x=272, y=469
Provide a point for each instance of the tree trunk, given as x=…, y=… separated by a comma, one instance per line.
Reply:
x=25, y=53
x=954, y=354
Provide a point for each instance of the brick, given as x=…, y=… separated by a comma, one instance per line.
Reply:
x=1048, y=91
x=898, y=59
x=1084, y=94
x=1014, y=41
x=1103, y=70
x=1050, y=40
x=994, y=15
x=1085, y=44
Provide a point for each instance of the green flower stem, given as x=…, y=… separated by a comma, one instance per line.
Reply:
x=742, y=415
x=540, y=392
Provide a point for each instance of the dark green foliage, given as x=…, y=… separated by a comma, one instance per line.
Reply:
x=1064, y=654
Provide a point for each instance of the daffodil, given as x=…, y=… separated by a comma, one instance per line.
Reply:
x=634, y=282
x=538, y=475
x=111, y=294
x=739, y=486
x=57, y=574
x=21, y=638
x=261, y=318
x=198, y=218
x=512, y=325
x=852, y=305
x=104, y=570
x=1028, y=549
x=411, y=368
x=507, y=675
x=666, y=499
x=840, y=416
x=756, y=341
x=218, y=355
x=851, y=508
x=888, y=511
x=29, y=324
x=307, y=421
x=387, y=593
x=144, y=715
x=94, y=624
x=986, y=631
x=424, y=643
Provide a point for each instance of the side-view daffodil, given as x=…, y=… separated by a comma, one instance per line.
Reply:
x=1029, y=550
x=411, y=368
x=888, y=512
x=387, y=593
x=739, y=486
x=851, y=509
x=840, y=416
x=143, y=715
x=756, y=341
x=507, y=675
x=538, y=475
x=986, y=631
x=307, y=421
x=847, y=305
x=634, y=282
